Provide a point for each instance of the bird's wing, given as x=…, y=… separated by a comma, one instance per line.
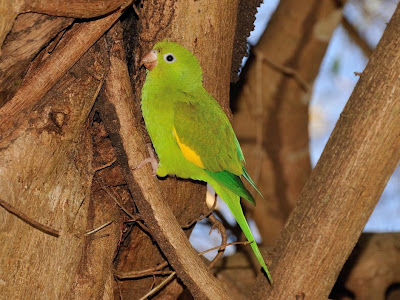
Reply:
x=205, y=136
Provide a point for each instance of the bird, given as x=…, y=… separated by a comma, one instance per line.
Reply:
x=190, y=132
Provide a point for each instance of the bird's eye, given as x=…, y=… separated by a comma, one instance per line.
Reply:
x=169, y=58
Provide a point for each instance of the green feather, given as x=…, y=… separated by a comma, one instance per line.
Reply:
x=190, y=132
x=233, y=202
x=234, y=183
x=248, y=178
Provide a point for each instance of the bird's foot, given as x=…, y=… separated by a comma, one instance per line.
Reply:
x=151, y=159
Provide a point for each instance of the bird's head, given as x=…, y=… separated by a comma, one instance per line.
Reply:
x=172, y=62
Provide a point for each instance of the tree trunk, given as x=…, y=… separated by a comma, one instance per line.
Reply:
x=346, y=184
x=46, y=174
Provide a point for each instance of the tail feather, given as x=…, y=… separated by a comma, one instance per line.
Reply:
x=233, y=202
x=234, y=183
x=248, y=178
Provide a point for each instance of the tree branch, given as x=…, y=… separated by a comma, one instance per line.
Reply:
x=74, y=8
x=346, y=184
x=30, y=34
x=29, y=220
x=74, y=45
x=131, y=147
x=356, y=37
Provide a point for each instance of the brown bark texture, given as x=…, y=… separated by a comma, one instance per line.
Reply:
x=74, y=8
x=48, y=103
x=45, y=174
x=272, y=108
x=345, y=186
x=46, y=166
x=30, y=33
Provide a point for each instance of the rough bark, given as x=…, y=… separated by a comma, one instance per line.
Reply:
x=10, y=10
x=30, y=33
x=272, y=118
x=74, y=8
x=82, y=36
x=45, y=174
x=246, y=17
x=346, y=184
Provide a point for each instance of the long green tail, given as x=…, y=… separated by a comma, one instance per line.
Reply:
x=233, y=202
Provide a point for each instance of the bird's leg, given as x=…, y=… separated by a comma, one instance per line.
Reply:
x=151, y=159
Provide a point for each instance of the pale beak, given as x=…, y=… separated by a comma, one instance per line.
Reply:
x=150, y=60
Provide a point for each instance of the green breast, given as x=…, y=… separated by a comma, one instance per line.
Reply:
x=157, y=109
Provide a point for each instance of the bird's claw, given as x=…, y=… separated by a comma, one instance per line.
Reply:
x=152, y=160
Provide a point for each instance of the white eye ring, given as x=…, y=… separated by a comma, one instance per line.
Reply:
x=169, y=58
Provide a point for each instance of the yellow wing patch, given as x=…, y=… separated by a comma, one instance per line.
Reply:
x=188, y=153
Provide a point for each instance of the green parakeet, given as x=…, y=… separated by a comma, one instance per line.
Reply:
x=191, y=134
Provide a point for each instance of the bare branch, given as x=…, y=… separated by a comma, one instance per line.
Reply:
x=224, y=238
x=147, y=272
x=356, y=37
x=289, y=72
x=74, y=8
x=99, y=228
x=202, y=217
x=159, y=287
x=74, y=45
x=106, y=189
x=29, y=220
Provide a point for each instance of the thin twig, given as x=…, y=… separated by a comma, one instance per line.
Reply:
x=105, y=165
x=356, y=37
x=133, y=218
x=105, y=188
x=143, y=273
x=259, y=110
x=202, y=217
x=157, y=270
x=224, y=238
x=159, y=287
x=136, y=10
x=290, y=72
x=99, y=228
x=29, y=220
x=224, y=246
x=146, y=272
x=140, y=223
